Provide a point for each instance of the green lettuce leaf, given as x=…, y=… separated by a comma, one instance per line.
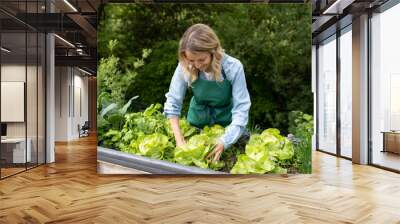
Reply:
x=154, y=145
x=246, y=165
x=263, y=153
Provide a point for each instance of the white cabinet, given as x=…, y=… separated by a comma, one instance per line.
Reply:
x=18, y=149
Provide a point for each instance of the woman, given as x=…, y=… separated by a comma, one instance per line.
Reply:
x=220, y=94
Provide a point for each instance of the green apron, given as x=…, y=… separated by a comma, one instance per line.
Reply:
x=211, y=102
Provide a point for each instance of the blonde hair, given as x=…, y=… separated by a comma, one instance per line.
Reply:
x=201, y=38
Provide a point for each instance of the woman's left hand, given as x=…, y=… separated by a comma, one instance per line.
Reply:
x=216, y=152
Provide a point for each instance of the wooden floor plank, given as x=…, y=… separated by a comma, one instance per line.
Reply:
x=70, y=191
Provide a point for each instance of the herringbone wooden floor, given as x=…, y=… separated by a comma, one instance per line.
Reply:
x=70, y=191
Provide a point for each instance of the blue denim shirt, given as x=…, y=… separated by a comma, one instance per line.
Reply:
x=234, y=72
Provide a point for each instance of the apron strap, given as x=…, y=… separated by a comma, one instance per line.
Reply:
x=223, y=72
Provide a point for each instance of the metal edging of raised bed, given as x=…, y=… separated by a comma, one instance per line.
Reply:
x=152, y=166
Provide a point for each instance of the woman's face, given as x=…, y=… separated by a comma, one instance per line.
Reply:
x=200, y=60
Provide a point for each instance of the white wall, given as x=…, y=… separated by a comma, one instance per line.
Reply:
x=9, y=73
x=16, y=73
x=71, y=94
x=33, y=127
x=80, y=100
x=61, y=103
x=13, y=72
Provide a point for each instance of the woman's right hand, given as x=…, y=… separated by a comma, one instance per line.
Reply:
x=181, y=142
x=179, y=139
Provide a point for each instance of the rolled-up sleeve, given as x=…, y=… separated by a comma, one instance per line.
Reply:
x=176, y=94
x=231, y=135
x=241, y=106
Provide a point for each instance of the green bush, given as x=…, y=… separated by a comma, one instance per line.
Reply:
x=272, y=42
x=302, y=127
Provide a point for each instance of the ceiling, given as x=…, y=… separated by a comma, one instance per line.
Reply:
x=74, y=22
x=332, y=15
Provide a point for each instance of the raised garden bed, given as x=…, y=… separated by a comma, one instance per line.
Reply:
x=149, y=165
